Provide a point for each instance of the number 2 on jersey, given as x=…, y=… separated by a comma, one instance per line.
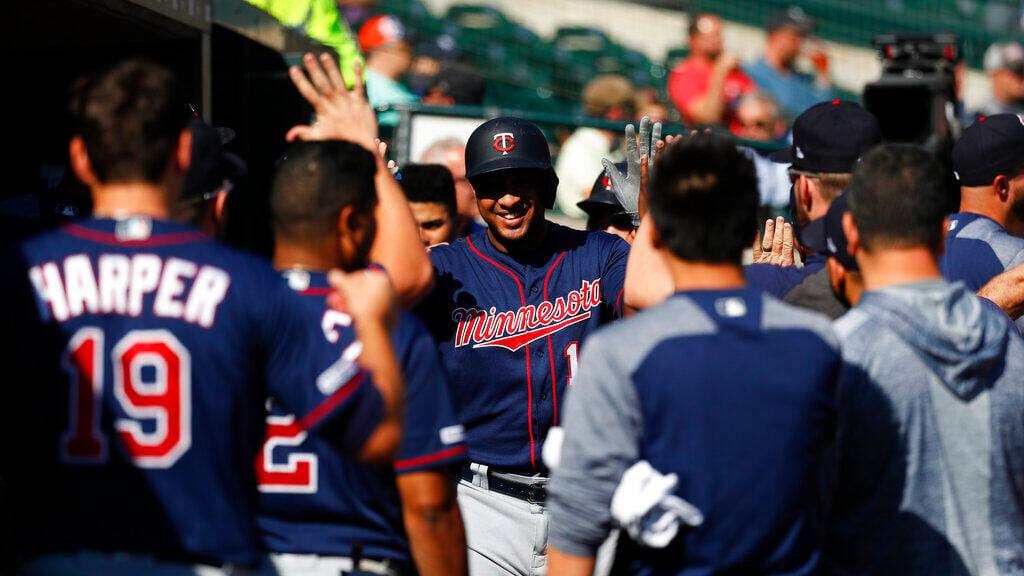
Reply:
x=152, y=383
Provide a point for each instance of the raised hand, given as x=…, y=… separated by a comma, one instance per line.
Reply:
x=639, y=159
x=341, y=113
x=777, y=246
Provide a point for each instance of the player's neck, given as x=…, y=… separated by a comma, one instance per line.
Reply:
x=898, y=266
x=525, y=246
x=130, y=199
x=704, y=276
x=302, y=256
x=987, y=204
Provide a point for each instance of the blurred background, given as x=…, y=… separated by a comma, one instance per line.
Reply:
x=580, y=69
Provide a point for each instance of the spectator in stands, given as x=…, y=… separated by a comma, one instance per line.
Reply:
x=388, y=57
x=706, y=84
x=451, y=153
x=431, y=56
x=759, y=120
x=455, y=85
x=649, y=104
x=788, y=37
x=608, y=97
x=430, y=190
x=1004, y=63
x=928, y=478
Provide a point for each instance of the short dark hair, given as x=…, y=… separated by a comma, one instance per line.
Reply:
x=130, y=117
x=704, y=198
x=314, y=181
x=429, y=183
x=898, y=198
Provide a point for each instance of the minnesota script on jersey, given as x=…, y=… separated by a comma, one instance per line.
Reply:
x=509, y=332
x=147, y=353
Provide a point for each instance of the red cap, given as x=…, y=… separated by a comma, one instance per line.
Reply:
x=380, y=30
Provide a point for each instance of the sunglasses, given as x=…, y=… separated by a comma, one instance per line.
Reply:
x=795, y=174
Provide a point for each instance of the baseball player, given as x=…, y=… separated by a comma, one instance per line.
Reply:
x=320, y=511
x=928, y=478
x=604, y=212
x=510, y=307
x=146, y=351
x=984, y=238
x=701, y=387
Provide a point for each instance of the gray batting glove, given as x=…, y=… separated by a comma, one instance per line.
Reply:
x=627, y=186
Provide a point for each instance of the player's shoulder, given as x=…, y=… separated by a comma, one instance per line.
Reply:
x=442, y=255
x=585, y=241
x=782, y=315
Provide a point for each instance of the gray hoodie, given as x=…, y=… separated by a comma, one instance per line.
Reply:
x=929, y=476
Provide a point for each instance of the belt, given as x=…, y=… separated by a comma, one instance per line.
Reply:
x=534, y=493
x=343, y=564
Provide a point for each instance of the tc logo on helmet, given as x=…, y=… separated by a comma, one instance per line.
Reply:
x=504, y=143
x=606, y=182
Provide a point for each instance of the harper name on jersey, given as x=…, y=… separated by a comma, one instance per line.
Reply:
x=119, y=284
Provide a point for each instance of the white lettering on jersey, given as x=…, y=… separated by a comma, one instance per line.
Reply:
x=81, y=285
x=122, y=283
x=513, y=329
x=114, y=275
x=208, y=291
x=171, y=287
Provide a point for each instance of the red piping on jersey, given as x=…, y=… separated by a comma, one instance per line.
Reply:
x=333, y=401
x=111, y=239
x=551, y=352
x=529, y=383
x=429, y=458
x=618, y=302
x=317, y=291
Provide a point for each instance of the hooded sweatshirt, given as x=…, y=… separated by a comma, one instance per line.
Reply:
x=929, y=473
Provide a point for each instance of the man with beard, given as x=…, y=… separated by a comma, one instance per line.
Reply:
x=510, y=307
x=828, y=140
x=984, y=238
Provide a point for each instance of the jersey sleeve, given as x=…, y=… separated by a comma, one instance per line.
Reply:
x=603, y=424
x=432, y=438
x=318, y=379
x=613, y=277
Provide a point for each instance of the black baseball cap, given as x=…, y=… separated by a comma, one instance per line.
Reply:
x=794, y=17
x=825, y=235
x=831, y=137
x=211, y=165
x=990, y=146
x=602, y=195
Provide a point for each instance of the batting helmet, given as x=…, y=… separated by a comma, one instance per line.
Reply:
x=508, y=143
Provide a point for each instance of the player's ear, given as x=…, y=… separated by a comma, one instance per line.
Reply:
x=183, y=152
x=80, y=163
x=852, y=234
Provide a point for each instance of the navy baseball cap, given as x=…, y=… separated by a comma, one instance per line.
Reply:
x=831, y=137
x=211, y=164
x=991, y=146
x=825, y=235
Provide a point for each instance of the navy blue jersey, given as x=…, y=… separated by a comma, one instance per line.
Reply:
x=779, y=280
x=978, y=249
x=509, y=332
x=732, y=391
x=314, y=499
x=156, y=351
